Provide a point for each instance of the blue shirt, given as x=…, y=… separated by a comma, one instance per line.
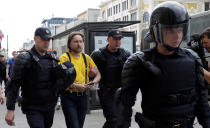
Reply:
x=10, y=62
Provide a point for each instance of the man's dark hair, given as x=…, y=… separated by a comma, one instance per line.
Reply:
x=206, y=32
x=14, y=52
x=71, y=37
x=54, y=52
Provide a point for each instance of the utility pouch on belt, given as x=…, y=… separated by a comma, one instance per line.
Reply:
x=144, y=122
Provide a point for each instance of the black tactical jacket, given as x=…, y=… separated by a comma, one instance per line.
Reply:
x=34, y=74
x=172, y=87
x=110, y=66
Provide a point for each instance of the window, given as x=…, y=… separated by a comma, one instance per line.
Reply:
x=133, y=16
x=110, y=11
x=119, y=7
x=145, y=17
x=206, y=6
x=114, y=10
x=133, y=3
x=124, y=5
x=125, y=18
x=103, y=14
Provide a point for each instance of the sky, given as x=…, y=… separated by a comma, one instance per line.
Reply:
x=20, y=18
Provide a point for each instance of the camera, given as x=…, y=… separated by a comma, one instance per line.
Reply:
x=197, y=46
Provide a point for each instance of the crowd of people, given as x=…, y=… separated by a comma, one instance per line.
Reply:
x=172, y=79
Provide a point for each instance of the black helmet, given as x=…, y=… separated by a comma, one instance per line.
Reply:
x=169, y=14
x=64, y=74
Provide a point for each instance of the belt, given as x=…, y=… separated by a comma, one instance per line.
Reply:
x=184, y=124
x=77, y=93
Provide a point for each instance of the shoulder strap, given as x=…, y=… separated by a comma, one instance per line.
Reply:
x=33, y=56
x=68, y=56
x=83, y=55
x=84, y=58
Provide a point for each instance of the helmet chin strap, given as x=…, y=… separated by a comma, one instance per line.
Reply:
x=169, y=48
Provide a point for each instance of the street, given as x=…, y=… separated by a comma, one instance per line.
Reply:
x=93, y=120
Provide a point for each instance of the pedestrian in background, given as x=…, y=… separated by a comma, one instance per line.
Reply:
x=9, y=65
x=170, y=78
x=205, y=38
x=110, y=60
x=74, y=99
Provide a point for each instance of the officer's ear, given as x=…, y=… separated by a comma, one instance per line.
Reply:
x=108, y=38
x=36, y=38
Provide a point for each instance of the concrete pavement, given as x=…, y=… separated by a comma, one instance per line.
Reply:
x=93, y=120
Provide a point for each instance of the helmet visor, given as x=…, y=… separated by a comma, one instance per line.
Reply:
x=181, y=31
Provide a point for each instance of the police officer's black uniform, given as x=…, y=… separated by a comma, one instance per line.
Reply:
x=172, y=86
x=40, y=78
x=33, y=73
x=110, y=66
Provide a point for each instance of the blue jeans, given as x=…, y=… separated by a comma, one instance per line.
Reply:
x=74, y=109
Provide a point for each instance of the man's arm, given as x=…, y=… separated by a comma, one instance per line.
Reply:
x=93, y=71
x=97, y=77
x=206, y=75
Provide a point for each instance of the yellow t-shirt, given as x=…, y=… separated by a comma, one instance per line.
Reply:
x=79, y=66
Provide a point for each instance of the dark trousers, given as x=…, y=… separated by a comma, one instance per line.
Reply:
x=74, y=109
x=40, y=119
x=108, y=104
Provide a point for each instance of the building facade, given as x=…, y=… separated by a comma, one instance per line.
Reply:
x=90, y=15
x=131, y=10
x=54, y=22
x=28, y=44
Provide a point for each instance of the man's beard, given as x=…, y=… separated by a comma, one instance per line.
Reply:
x=78, y=50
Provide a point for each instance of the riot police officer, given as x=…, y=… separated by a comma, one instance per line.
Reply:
x=34, y=71
x=110, y=60
x=170, y=78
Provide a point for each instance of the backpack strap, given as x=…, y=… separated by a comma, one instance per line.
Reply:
x=84, y=58
x=68, y=56
x=83, y=55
